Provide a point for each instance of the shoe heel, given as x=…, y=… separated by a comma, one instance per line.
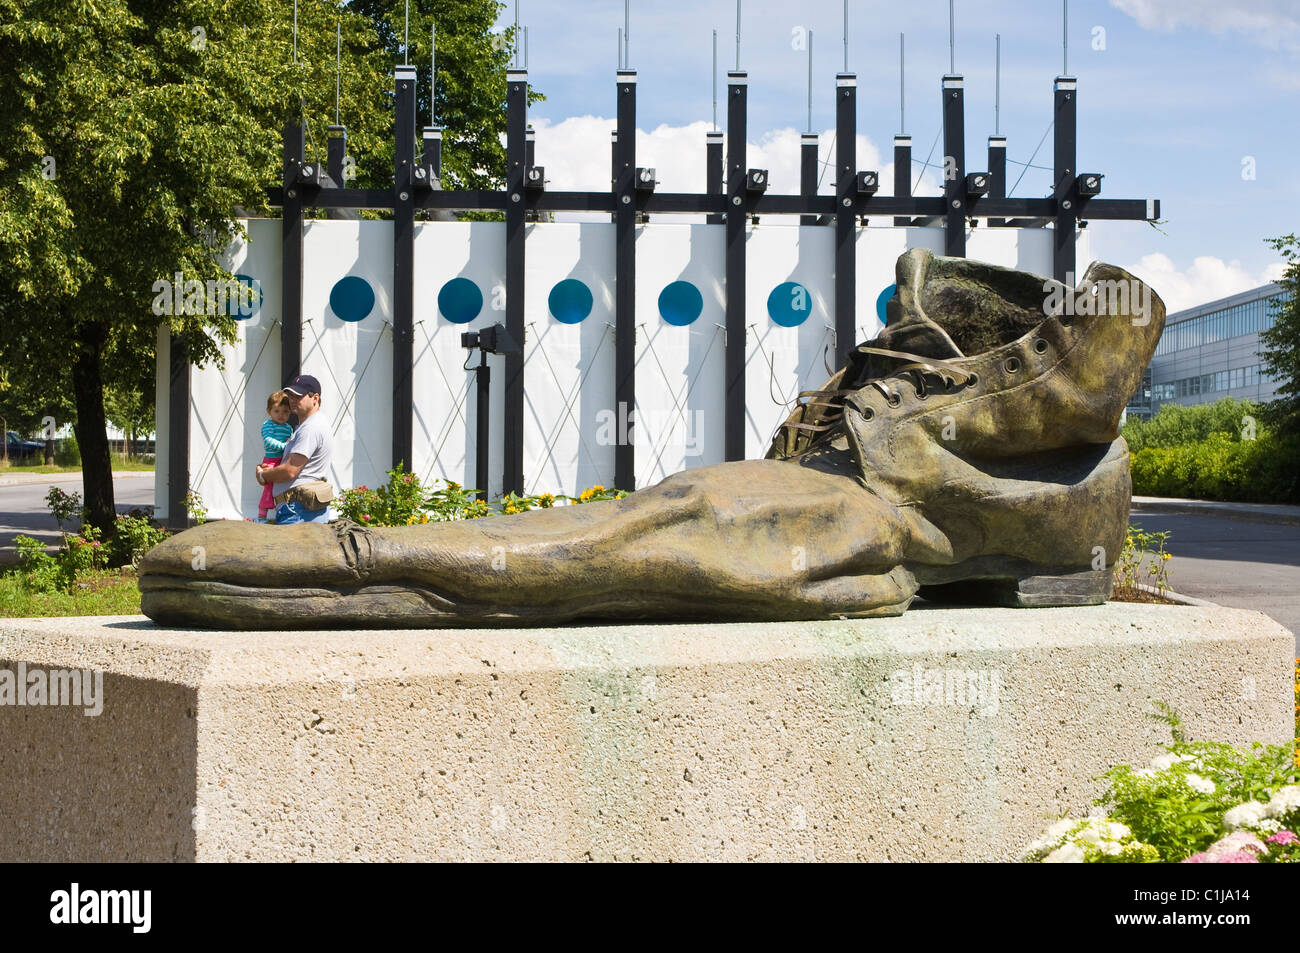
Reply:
x=1089, y=587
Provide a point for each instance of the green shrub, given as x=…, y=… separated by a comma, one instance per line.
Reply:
x=1220, y=467
x=133, y=537
x=67, y=453
x=39, y=570
x=1175, y=425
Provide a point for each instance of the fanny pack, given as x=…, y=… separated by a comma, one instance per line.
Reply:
x=315, y=495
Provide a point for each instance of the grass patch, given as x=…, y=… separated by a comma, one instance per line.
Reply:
x=99, y=592
x=119, y=465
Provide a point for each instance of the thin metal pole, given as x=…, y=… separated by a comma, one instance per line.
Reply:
x=738, y=36
x=846, y=36
x=902, y=112
x=997, y=86
x=952, y=40
x=295, y=32
x=627, y=32
x=1065, y=37
x=338, y=67
x=516, y=33
x=715, y=80
x=810, y=58
x=433, y=75
x=406, y=40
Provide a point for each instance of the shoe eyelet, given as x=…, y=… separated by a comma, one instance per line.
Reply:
x=894, y=399
x=1040, y=346
x=867, y=413
x=1012, y=365
x=972, y=380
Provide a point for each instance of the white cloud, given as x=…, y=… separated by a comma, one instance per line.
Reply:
x=576, y=155
x=1271, y=23
x=1206, y=280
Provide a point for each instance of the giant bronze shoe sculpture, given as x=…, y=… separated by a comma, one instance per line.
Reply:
x=968, y=453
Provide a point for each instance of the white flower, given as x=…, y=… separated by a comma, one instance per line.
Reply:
x=1199, y=784
x=1109, y=848
x=1268, y=825
x=1118, y=831
x=1065, y=854
x=1284, y=801
x=1145, y=772
x=1163, y=762
x=1244, y=815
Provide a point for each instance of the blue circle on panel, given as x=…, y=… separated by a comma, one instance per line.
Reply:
x=789, y=304
x=460, y=301
x=570, y=301
x=352, y=298
x=884, y=300
x=680, y=303
x=249, y=300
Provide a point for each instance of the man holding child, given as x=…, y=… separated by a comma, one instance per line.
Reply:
x=299, y=484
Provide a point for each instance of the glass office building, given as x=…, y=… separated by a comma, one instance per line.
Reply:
x=1209, y=352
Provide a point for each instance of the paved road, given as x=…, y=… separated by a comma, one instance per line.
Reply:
x=1234, y=562
x=23, y=510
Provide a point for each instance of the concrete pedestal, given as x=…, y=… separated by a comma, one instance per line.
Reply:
x=946, y=734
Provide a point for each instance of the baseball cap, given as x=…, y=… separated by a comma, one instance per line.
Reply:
x=303, y=384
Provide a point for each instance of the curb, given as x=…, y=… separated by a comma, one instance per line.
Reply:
x=1178, y=597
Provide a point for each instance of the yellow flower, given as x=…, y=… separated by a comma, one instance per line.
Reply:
x=424, y=518
x=1165, y=556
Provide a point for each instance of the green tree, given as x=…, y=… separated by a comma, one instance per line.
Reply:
x=1280, y=354
x=134, y=134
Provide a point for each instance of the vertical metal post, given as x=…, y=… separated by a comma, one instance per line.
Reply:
x=178, y=432
x=808, y=172
x=482, y=446
x=954, y=165
x=737, y=129
x=613, y=170
x=432, y=154
x=291, y=256
x=403, y=266
x=846, y=194
x=1065, y=92
x=337, y=150
x=713, y=173
x=625, y=209
x=516, y=138
x=902, y=174
x=997, y=173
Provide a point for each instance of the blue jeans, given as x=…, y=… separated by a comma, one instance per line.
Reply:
x=286, y=513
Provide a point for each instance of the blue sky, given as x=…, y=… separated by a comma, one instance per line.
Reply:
x=1173, y=96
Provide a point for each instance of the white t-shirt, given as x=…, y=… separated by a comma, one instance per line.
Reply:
x=313, y=439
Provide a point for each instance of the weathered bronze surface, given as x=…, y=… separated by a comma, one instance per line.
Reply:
x=971, y=452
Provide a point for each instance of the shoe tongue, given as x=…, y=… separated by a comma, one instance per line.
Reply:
x=907, y=327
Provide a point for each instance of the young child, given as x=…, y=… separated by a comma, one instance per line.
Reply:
x=275, y=433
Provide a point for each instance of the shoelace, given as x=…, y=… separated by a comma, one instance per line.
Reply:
x=916, y=370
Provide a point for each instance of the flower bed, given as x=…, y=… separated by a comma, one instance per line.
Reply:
x=1200, y=802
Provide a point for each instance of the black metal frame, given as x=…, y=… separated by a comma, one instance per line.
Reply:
x=731, y=204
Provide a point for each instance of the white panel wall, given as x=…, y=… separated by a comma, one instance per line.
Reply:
x=228, y=405
x=568, y=368
x=445, y=416
x=680, y=370
x=570, y=414
x=352, y=360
